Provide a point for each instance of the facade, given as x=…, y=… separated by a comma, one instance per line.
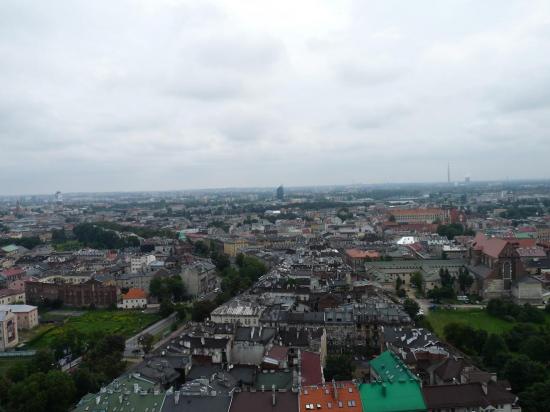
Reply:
x=27, y=315
x=12, y=296
x=134, y=299
x=232, y=247
x=431, y=215
x=497, y=267
x=88, y=293
x=199, y=277
x=9, y=337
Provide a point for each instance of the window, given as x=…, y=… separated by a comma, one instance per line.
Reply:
x=340, y=404
x=351, y=403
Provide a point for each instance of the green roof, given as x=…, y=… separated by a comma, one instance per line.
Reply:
x=125, y=394
x=389, y=368
x=9, y=248
x=404, y=396
x=396, y=388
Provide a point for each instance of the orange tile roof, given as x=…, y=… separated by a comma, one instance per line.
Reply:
x=340, y=396
x=135, y=293
x=362, y=254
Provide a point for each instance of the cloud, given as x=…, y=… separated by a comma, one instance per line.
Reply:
x=168, y=94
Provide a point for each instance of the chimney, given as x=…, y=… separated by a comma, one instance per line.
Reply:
x=384, y=390
x=484, y=387
x=273, y=397
x=334, y=389
x=177, y=397
x=202, y=341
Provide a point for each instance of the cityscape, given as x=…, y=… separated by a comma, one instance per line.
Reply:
x=248, y=206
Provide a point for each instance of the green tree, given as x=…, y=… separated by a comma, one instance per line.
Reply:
x=537, y=348
x=166, y=308
x=536, y=398
x=465, y=280
x=338, y=367
x=493, y=348
x=201, y=310
x=417, y=280
x=411, y=307
x=398, y=283
x=522, y=372
x=146, y=341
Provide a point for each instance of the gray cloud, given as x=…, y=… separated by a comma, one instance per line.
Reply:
x=248, y=93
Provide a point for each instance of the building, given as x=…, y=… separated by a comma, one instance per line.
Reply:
x=427, y=215
x=27, y=315
x=340, y=396
x=88, y=293
x=238, y=311
x=393, y=388
x=9, y=337
x=138, y=263
x=280, y=193
x=232, y=247
x=466, y=397
x=357, y=258
x=200, y=277
x=12, y=296
x=134, y=299
x=499, y=271
x=129, y=393
x=269, y=400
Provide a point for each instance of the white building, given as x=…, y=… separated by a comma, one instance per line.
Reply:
x=138, y=263
x=8, y=331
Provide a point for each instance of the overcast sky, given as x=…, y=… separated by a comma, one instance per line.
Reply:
x=158, y=95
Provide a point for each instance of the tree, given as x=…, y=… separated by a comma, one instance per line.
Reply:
x=464, y=337
x=201, y=248
x=338, y=368
x=166, y=308
x=536, y=347
x=201, y=310
x=411, y=307
x=398, y=283
x=40, y=392
x=417, y=280
x=465, y=280
x=523, y=372
x=146, y=341
x=536, y=397
x=493, y=347
x=86, y=382
x=239, y=260
x=221, y=260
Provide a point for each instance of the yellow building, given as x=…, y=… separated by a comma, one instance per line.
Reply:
x=232, y=247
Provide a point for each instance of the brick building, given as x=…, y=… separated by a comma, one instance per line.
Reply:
x=83, y=294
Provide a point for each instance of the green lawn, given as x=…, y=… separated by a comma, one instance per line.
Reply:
x=126, y=323
x=477, y=318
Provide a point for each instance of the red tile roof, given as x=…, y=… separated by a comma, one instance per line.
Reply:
x=135, y=293
x=490, y=246
x=340, y=396
x=310, y=366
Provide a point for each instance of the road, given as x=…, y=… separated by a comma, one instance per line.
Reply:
x=132, y=344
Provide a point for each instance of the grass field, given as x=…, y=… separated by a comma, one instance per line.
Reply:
x=477, y=318
x=125, y=323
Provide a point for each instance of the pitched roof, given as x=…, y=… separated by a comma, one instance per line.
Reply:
x=135, y=293
x=263, y=401
x=490, y=246
x=311, y=368
x=341, y=396
x=468, y=395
